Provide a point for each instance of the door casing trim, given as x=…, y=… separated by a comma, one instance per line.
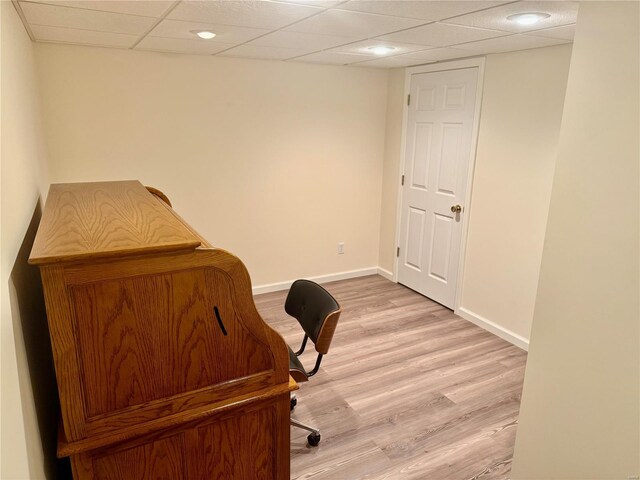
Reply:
x=477, y=62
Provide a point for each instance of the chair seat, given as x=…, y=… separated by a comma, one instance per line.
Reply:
x=296, y=369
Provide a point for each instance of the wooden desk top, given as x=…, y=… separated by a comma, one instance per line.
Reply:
x=106, y=219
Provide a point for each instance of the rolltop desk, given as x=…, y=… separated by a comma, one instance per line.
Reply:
x=165, y=369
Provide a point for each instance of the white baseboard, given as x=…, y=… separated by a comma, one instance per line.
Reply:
x=488, y=325
x=505, y=334
x=385, y=273
x=332, y=277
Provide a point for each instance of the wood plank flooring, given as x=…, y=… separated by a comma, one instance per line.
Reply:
x=408, y=390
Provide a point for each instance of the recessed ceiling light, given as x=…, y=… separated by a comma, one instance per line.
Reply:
x=528, y=18
x=381, y=49
x=205, y=34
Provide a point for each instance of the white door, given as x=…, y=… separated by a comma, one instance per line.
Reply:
x=437, y=156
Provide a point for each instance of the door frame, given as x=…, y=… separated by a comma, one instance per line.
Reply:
x=440, y=67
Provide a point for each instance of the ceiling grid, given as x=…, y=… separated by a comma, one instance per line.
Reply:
x=405, y=32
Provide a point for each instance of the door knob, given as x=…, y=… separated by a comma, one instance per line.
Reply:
x=456, y=208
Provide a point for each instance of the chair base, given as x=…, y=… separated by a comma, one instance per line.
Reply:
x=304, y=426
x=314, y=437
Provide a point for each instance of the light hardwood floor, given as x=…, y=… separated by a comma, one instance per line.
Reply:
x=408, y=390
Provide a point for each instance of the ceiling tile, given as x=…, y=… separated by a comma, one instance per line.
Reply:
x=438, y=54
x=356, y=24
x=147, y=8
x=224, y=33
x=332, y=58
x=509, y=44
x=255, y=14
x=562, y=13
x=181, y=45
x=565, y=32
x=44, y=33
x=268, y=53
x=363, y=47
x=426, y=10
x=41, y=14
x=316, y=31
x=391, y=62
x=441, y=35
x=310, y=41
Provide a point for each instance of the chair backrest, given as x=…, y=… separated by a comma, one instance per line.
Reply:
x=316, y=310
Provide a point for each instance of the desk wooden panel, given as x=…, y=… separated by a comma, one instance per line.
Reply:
x=106, y=219
x=165, y=369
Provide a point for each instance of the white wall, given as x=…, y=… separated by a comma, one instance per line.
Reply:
x=276, y=162
x=521, y=112
x=580, y=413
x=517, y=147
x=23, y=179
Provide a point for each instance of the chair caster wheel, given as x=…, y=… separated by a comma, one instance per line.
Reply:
x=292, y=403
x=313, y=439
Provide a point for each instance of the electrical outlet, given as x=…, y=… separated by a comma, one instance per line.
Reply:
x=340, y=248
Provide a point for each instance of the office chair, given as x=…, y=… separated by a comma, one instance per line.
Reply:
x=317, y=313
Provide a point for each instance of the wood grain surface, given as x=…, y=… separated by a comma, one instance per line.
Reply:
x=239, y=448
x=190, y=419
x=105, y=219
x=160, y=460
x=159, y=193
x=408, y=391
x=137, y=339
x=164, y=365
x=325, y=336
x=156, y=336
x=242, y=444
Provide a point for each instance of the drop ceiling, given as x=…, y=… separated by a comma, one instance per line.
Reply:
x=312, y=31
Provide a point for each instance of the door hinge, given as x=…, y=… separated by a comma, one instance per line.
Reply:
x=402, y=181
x=409, y=99
x=398, y=252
